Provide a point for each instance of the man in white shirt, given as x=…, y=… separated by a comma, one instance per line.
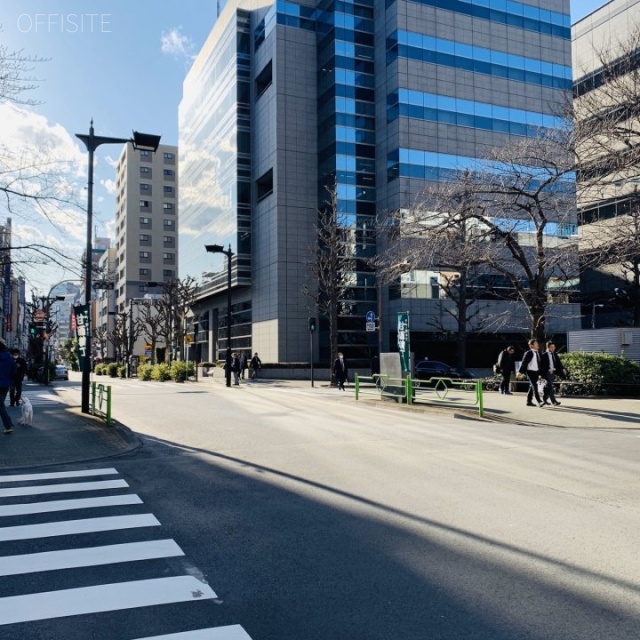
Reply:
x=531, y=367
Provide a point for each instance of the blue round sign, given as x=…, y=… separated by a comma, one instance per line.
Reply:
x=371, y=316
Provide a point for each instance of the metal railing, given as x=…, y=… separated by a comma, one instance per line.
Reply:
x=443, y=390
x=101, y=401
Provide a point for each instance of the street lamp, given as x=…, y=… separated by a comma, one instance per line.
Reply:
x=217, y=248
x=92, y=142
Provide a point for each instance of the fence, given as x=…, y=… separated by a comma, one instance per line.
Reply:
x=442, y=390
x=101, y=401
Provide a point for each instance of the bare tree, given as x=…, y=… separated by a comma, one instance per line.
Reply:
x=437, y=233
x=151, y=322
x=174, y=306
x=330, y=267
x=16, y=76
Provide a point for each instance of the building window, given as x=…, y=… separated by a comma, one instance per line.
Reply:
x=145, y=170
x=168, y=190
x=168, y=172
x=145, y=187
x=145, y=237
x=145, y=153
x=144, y=204
x=145, y=222
x=168, y=273
x=264, y=79
x=168, y=258
x=145, y=255
x=168, y=155
x=264, y=185
x=144, y=273
x=169, y=224
x=168, y=207
x=168, y=241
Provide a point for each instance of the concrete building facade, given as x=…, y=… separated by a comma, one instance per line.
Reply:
x=375, y=97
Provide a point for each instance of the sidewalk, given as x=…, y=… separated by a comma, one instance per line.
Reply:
x=61, y=434
x=573, y=412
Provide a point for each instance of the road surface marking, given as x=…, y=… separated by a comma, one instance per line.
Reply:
x=72, y=527
x=102, y=598
x=60, y=474
x=62, y=488
x=67, y=505
x=233, y=632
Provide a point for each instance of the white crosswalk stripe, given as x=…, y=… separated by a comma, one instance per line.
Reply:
x=67, y=543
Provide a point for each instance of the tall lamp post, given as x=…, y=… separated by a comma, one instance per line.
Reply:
x=218, y=248
x=92, y=142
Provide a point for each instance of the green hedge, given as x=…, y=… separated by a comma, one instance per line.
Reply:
x=144, y=371
x=600, y=374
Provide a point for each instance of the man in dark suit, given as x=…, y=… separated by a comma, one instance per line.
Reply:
x=507, y=364
x=530, y=366
x=340, y=371
x=550, y=364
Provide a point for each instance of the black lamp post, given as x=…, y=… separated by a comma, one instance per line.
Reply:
x=92, y=142
x=217, y=248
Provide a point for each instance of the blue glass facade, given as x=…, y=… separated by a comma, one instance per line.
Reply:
x=374, y=97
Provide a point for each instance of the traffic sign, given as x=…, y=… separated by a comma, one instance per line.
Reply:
x=371, y=326
x=370, y=317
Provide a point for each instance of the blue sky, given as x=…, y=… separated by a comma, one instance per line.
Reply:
x=120, y=62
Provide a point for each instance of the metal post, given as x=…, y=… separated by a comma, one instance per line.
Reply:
x=311, y=354
x=86, y=368
x=228, y=359
x=379, y=318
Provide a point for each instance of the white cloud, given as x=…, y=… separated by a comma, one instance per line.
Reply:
x=110, y=186
x=175, y=43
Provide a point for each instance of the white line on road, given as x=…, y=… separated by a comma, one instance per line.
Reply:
x=233, y=632
x=88, y=557
x=67, y=505
x=62, y=488
x=58, y=475
x=72, y=527
x=101, y=598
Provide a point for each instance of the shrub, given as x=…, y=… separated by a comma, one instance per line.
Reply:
x=112, y=369
x=144, y=371
x=99, y=369
x=178, y=371
x=122, y=371
x=161, y=372
x=600, y=374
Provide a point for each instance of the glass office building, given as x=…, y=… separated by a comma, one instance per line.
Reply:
x=376, y=97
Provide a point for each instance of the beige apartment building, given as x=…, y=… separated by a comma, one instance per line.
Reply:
x=146, y=222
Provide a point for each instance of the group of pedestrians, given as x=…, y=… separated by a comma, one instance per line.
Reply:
x=240, y=364
x=12, y=370
x=540, y=369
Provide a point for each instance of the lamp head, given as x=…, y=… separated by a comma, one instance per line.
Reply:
x=145, y=141
x=214, y=248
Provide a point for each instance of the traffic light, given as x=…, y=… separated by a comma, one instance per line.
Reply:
x=312, y=324
x=32, y=329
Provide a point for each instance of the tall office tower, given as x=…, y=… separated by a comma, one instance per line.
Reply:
x=146, y=221
x=606, y=73
x=373, y=97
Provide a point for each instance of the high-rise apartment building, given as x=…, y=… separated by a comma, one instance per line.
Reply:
x=146, y=221
x=375, y=97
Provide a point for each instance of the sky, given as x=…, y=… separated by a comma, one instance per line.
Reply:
x=118, y=62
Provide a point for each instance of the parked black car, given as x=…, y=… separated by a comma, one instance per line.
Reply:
x=426, y=369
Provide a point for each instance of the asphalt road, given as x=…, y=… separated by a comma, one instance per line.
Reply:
x=315, y=517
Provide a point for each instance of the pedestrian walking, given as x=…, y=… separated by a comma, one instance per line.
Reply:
x=243, y=364
x=7, y=374
x=235, y=368
x=506, y=366
x=15, y=392
x=340, y=371
x=530, y=366
x=254, y=365
x=550, y=365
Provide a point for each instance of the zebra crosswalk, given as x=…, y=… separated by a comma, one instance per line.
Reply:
x=94, y=564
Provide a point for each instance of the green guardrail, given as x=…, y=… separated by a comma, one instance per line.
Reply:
x=101, y=401
x=441, y=389
x=406, y=390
